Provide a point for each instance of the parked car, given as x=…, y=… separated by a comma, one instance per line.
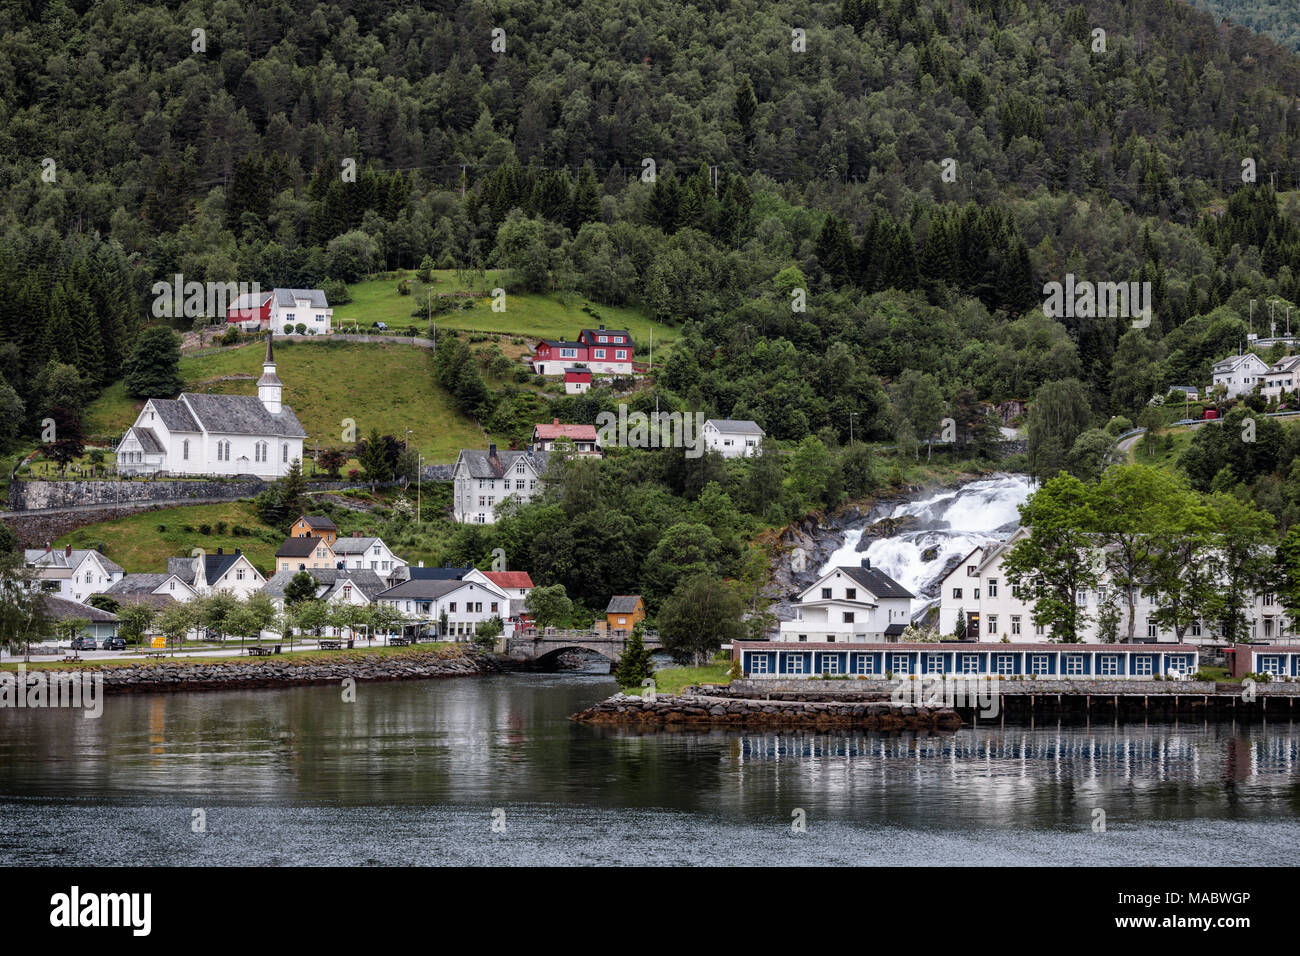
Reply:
x=114, y=644
x=83, y=644
x=381, y=326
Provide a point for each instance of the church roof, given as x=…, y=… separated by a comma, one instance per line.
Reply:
x=242, y=415
x=175, y=415
x=148, y=440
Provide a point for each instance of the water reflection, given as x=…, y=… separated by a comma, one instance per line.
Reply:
x=295, y=761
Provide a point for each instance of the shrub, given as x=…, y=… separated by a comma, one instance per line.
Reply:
x=288, y=330
x=205, y=528
x=301, y=328
x=162, y=529
x=221, y=527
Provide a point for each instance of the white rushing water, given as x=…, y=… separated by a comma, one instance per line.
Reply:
x=952, y=522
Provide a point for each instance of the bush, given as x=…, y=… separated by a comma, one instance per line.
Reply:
x=288, y=330
x=205, y=528
x=221, y=527
x=301, y=328
x=162, y=529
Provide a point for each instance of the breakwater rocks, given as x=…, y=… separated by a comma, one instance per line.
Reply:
x=318, y=668
x=699, y=711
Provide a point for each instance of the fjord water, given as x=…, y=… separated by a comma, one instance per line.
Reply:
x=412, y=772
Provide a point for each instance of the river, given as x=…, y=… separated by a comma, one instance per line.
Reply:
x=412, y=772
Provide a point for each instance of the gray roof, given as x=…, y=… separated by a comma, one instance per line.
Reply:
x=61, y=609
x=353, y=545
x=736, y=425
x=622, y=603
x=439, y=574
x=242, y=415
x=877, y=582
x=481, y=466
x=298, y=547
x=319, y=521
x=250, y=300
x=59, y=558
x=175, y=415
x=148, y=440
x=328, y=580
x=214, y=566
x=137, y=584
x=426, y=589
x=287, y=297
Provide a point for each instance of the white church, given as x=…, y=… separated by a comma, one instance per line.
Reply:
x=197, y=434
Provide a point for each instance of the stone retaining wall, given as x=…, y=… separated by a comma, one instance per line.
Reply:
x=704, y=711
x=178, y=675
x=38, y=495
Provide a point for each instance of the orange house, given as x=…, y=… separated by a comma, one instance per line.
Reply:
x=624, y=611
x=314, y=526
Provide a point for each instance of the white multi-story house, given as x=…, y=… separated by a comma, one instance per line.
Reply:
x=482, y=480
x=516, y=585
x=732, y=438
x=360, y=552
x=978, y=588
x=73, y=574
x=1284, y=376
x=423, y=601
x=220, y=573
x=850, y=605
x=333, y=585
x=1240, y=373
x=201, y=434
x=293, y=307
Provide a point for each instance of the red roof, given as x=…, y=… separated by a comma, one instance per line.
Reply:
x=509, y=579
x=556, y=430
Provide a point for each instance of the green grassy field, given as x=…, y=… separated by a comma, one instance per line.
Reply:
x=385, y=385
x=136, y=544
x=552, y=315
x=670, y=680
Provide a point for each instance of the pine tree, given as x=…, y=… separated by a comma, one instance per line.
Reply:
x=636, y=664
x=153, y=370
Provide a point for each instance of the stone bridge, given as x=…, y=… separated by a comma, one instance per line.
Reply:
x=543, y=647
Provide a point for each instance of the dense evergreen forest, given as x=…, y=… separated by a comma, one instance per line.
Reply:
x=796, y=145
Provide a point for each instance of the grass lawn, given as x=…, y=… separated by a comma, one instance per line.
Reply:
x=670, y=680
x=385, y=385
x=136, y=544
x=529, y=315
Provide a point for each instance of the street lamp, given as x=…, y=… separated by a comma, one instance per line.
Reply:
x=852, y=415
x=419, y=474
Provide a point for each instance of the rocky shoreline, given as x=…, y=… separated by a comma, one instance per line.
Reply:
x=196, y=675
x=698, y=711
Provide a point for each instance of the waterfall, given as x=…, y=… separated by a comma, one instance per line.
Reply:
x=951, y=522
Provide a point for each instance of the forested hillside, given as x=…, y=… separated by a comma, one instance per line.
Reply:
x=1279, y=19
x=778, y=169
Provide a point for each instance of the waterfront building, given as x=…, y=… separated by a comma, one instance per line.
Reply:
x=781, y=659
x=850, y=604
x=977, y=590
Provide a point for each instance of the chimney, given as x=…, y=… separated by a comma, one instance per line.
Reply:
x=220, y=551
x=237, y=551
x=421, y=564
x=602, y=328
x=492, y=451
x=866, y=563
x=555, y=421
x=356, y=534
x=47, y=547
x=67, y=551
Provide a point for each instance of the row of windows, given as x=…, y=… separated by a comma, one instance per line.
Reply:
x=1108, y=665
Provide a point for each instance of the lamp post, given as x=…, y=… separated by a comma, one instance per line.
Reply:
x=852, y=415
x=419, y=474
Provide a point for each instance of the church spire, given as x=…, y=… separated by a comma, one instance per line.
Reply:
x=268, y=386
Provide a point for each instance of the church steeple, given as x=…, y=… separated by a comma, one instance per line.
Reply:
x=268, y=386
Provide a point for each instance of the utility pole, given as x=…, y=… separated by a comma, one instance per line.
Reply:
x=419, y=474
x=852, y=415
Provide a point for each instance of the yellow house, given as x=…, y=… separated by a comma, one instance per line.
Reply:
x=314, y=526
x=299, y=554
x=624, y=611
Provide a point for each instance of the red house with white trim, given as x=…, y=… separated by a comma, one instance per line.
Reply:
x=603, y=351
x=251, y=311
